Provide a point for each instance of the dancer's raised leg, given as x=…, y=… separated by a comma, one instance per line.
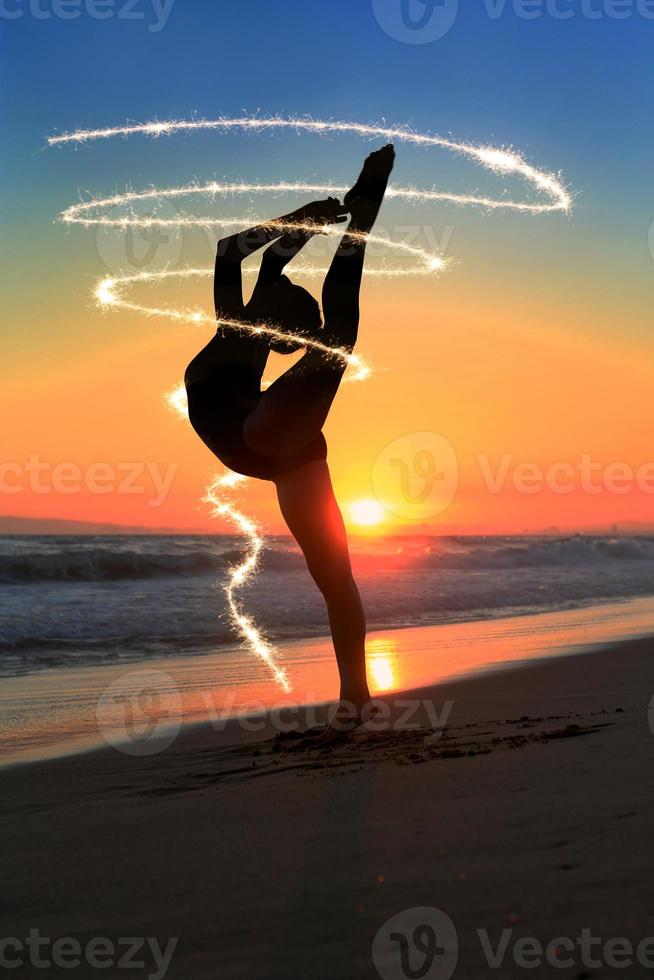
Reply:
x=292, y=412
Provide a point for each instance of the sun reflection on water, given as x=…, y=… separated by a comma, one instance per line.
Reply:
x=383, y=664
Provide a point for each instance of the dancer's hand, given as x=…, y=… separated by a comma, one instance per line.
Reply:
x=326, y=212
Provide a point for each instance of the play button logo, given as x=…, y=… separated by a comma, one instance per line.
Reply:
x=416, y=944
x=416, y=21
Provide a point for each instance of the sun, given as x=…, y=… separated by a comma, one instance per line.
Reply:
x=365, y=513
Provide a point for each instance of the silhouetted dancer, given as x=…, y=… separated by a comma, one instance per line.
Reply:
x=276, y=434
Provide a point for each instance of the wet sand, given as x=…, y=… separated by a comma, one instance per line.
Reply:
x=55, y=712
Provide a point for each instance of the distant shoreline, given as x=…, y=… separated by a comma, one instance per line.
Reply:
x=53, y=526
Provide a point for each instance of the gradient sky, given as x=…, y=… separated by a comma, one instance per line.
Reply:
x=535, y=347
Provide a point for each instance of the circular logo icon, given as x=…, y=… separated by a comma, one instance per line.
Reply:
x=141, y=249
x=141, y=712
x=416, y=21
x=418, y=942
x=416, y=476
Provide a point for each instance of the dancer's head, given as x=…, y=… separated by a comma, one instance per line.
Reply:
x=288, y=306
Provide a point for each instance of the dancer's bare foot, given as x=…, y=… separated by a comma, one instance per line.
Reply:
x=345, y=717
x=364, y=200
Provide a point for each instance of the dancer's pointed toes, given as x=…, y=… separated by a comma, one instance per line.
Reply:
x=381, y=161
x=364, y=199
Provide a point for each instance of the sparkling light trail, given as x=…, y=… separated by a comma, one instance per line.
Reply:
x=107, y=294
x=109, y=291
x=497, y=160
x=428, y=263
x=240, y=574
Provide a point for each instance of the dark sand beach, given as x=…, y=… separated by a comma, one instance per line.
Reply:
x=267, y=856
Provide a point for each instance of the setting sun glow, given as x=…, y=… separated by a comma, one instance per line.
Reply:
x=365, y=513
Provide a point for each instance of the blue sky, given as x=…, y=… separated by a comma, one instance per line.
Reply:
x=573, y=94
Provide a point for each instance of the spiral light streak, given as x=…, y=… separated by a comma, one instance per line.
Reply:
x=240, y=574
x=107, y=294
x=177, y=402
x=428, y=263
x=110, y=291
x=497, y=160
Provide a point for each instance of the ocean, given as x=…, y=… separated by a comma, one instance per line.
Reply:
x=75, y=601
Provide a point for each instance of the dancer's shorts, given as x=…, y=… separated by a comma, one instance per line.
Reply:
x=218, y=413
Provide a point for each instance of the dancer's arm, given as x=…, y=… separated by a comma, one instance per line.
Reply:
x=231, y=251
x=279, y=254
x=244, y=243
x=314, y=216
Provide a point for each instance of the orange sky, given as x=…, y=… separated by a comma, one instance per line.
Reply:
x=533, y=351
x=507, y=377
